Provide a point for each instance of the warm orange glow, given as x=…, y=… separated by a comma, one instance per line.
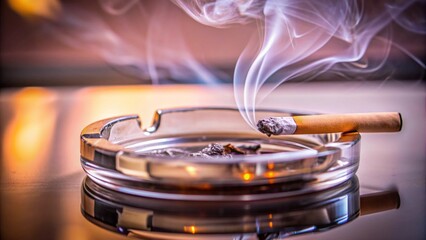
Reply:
x=270, y=174
x=35, y=8
x=28, y=137
x=103, y=102
x=73, y=231
x=95, y=103
x=205, y=186
x=192, y=171
x=271, y=224
x=271, y=165
x=247, y=176
x=190, y=229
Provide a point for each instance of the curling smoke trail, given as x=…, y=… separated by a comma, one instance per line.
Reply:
x=297, y=39
x=303, y=39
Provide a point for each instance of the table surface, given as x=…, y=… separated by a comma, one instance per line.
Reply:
x=41, y=175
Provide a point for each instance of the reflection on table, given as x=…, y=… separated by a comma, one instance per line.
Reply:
x=149, y=218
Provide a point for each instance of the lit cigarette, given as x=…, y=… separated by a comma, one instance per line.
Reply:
x=331, y=123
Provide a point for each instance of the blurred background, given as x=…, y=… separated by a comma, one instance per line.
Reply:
x=62, y=43
x=109, y=42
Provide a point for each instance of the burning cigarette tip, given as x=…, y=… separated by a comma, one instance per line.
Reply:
x=331, y=123
x=276, y=126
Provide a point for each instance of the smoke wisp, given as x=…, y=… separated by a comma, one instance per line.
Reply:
x=305, y=38
x=294, y=39
x=142, y=44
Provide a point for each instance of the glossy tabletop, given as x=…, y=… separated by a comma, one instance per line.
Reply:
x=41, y=176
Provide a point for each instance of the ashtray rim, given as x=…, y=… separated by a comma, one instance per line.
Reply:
x=100, y=130
x=113, y=166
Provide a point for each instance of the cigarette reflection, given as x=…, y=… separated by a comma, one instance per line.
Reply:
x=278, y=218
x=28, y=137
x=379, y=202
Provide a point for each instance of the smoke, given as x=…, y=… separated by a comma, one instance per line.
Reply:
x=142, y=44
x=302, y=39
x=294, y=40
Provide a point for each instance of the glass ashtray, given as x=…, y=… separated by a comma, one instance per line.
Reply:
x=158, y=161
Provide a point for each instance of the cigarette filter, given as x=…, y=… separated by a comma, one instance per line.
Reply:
x=331, y=123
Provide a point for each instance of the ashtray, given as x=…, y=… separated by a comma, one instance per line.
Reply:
x=166, y=160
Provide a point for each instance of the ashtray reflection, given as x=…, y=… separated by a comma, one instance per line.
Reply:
x=148, y=218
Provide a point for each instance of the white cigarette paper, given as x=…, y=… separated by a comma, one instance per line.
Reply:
x=331, y=123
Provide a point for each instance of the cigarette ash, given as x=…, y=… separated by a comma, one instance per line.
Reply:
x=213, y=150
x=277, y=126
x=269, y=126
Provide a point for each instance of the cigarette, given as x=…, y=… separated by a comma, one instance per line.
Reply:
x=331, y=123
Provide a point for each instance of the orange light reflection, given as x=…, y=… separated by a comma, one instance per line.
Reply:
x=95, y=103
x=192, y=171
x=270, y=174
x=28, y=137
x=247, y=176
x=190, y=229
